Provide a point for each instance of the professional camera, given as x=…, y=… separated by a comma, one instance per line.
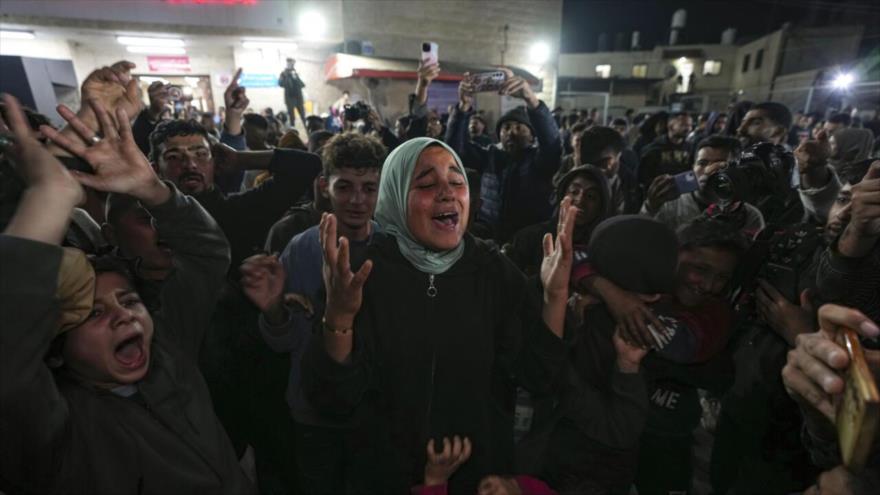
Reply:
x=762, y=170
x=357, y=111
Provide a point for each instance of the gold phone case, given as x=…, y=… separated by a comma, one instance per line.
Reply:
x=859, y=413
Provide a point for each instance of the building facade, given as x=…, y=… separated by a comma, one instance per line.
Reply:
x=220, y=36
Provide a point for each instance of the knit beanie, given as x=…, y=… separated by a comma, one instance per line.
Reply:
x=518, y=114
x=636, y=253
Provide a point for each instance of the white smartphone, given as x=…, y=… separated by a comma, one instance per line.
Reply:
x=429, y=53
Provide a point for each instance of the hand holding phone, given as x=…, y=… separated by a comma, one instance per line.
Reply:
x=686, y=182
x=484, y=82
x=430, y=53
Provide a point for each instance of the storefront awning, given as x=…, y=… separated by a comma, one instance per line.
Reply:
x=344, y=66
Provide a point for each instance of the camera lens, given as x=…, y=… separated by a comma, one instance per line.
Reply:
x=426, y=47
x=721, y=186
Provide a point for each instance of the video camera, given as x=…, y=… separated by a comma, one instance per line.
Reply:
x=763, y=170
x=357, y=111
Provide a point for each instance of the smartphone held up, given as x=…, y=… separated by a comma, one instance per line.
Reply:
x=429, y=53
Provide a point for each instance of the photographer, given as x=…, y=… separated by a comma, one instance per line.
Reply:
x=517, y=176
x=666, y=204
x=812, y=377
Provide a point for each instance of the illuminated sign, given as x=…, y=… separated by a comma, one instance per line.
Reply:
x=168, y=64
x=258, y=80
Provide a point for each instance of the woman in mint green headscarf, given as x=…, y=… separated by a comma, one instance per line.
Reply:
x=430, y=338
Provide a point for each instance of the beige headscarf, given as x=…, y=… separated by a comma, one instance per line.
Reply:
x=76, y=289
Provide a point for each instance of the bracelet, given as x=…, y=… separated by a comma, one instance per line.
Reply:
x=336, y=331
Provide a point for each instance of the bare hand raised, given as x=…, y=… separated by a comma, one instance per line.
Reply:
x=344, y=287
x=119, y=165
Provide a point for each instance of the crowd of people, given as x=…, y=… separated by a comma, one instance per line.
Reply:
x=570, y=304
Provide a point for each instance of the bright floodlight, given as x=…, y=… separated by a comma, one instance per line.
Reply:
x=540, y=52
x=312, y=24
x=843, y=81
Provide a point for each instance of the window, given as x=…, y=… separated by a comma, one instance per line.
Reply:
x=711, y=67
x=759, y=58
x=603, y=71
x=640, y=71
x=746, y=60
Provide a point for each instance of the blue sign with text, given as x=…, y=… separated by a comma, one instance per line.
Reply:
x=258, y=80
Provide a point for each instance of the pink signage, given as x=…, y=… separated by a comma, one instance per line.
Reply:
x=168, y=63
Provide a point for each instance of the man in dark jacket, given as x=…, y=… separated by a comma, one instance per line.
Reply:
x=293, y=92
x=517, y=177
x=668, y=154
x=183, y=155
x=602, y=147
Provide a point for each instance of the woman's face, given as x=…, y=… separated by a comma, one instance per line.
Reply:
x=438, y=203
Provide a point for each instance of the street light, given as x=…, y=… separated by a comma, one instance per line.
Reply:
x=843, y=80
x=312, y=24
x=540, y=52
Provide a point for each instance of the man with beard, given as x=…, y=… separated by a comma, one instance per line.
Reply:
x=183, y=155
x=668, y=154
x=517, y=175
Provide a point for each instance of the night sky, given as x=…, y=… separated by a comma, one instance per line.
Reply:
x=584, y=20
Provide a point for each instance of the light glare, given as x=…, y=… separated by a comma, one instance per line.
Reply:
x=843, y=81
x=540, y=52
x=312, y=24
x=143, y=41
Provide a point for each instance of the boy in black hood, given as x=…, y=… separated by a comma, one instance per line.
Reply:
x=588, y=189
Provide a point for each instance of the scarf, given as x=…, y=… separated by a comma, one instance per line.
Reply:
x=391, y=207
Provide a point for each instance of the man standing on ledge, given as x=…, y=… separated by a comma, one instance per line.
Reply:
x=293, y=94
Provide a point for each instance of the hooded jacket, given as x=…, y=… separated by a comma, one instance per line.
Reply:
x=427, y=367
x=853, y=145
x=63, y=436
x=526, y=249
x=514, y=192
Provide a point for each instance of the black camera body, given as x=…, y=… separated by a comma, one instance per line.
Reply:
x=761, y=171
x=782, y=257
x=357, y=111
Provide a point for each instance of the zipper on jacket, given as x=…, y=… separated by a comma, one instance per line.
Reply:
x=432, y=291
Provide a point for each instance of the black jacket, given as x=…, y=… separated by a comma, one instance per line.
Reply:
x=426, y=367
x=514, y=194
x=663, y=157
x=247, y=217
x=62, y=436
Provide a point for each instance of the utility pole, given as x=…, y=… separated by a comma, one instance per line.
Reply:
x=504, y=47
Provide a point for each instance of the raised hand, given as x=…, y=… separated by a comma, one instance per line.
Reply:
x=466, y=92
x=661, y=191
x=344, y=287
x=114, y=88
x=236, y=101
x=441, y=466
x=427, y=73
x=866, y=203
x=38, y=167
x=44, y=210
x=556, y=266
x=119, y=166
x=262, y=279
x=812, y=375
x=518, y=87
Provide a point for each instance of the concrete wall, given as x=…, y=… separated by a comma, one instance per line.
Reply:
x=755, y=83
x=467, y=31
